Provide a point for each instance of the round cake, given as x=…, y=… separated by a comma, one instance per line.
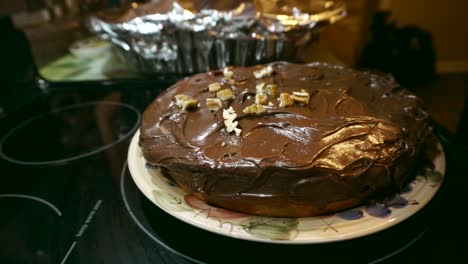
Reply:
x=286, y=140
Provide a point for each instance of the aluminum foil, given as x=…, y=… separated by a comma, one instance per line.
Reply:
x=185, y=37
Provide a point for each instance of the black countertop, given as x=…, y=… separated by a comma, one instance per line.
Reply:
x=66, y=195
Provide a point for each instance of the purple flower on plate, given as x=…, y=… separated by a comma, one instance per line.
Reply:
x=352, y=214
x=408, y=188
x=378, y=210
x=397, y=202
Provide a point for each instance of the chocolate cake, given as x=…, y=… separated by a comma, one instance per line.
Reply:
x=286, y=140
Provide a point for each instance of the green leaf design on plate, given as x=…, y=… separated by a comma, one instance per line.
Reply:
x=433, y=176
x=170, y=201
x=270, y=228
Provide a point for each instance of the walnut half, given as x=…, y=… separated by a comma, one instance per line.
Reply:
x=214, y=87
x=225, y=94
x=301, y=97
x=185, y=102
x=214, y=104
x=254, y=109
x=285, y=100
x=270, y=89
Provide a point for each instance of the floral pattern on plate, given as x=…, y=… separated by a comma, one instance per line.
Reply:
x=352, y=223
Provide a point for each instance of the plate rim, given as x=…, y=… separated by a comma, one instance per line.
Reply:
x=133, y=159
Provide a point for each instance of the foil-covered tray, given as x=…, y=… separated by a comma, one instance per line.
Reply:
x=185, y=37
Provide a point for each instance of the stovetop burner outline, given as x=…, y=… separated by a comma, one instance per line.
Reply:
x=140, y=225
x=33, y=198
x=401, y=249
x=80, y=156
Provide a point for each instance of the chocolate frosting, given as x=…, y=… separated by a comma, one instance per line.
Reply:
x=359, y=136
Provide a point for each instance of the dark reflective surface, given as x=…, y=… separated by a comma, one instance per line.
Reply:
x=76, y=211
x=59, y=194
x=69, y=133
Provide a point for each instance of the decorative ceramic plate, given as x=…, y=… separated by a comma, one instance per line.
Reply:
x=352, y=223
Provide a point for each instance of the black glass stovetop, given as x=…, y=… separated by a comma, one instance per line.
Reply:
x=66, y=195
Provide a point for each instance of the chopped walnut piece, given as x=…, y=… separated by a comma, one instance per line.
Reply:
x=301, y=97
x=238, y=131
x=229, y=115
x=214, y=104
x=190, y=104
x=263, y=72
x=285, y=100
x=225, y=94
x=270, y=89
x=230, y=81
x=228, y=74
x=185, y=102
x=260, y=88
x=214, y=87
x=180, y=98
x=254, y=109
x=261, y=98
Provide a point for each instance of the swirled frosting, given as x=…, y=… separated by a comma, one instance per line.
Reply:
x=359, y=136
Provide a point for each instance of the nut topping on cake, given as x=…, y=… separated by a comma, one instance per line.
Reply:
x=260, y=88
x=229, y=115
x=228, y=74
x=214, y=87
x=301, y=97
x=254, y=109
x=263, y=72
x=261, y=98
x=185, y=102
x=225, y=94
x=285, y=100
x=214, y=104
x=270, y=89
